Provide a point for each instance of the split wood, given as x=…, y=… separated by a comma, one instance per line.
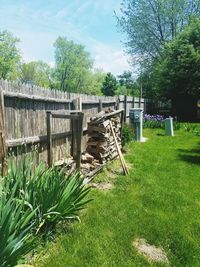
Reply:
x=123, y=163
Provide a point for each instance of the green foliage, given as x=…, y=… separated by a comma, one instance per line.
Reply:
x=36, y=72
x=146, y=80
x=152, y=124
x=54, y=195
x=32, y=201
x=109, y=85
x=175, y=74
x=73, y=64
x=149, y=24
x=15, y=227
x=191, y=128
x=126, y=84
x=177, y=71
x=9, y=55
x=176, y=125
x=127, y=134
x=94, y=82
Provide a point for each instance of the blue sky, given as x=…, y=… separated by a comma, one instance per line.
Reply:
x=89, y=22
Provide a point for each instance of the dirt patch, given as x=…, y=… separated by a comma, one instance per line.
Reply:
x=102, y=186
x=151, y=253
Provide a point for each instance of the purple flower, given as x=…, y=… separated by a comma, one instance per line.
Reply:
x=148, y=117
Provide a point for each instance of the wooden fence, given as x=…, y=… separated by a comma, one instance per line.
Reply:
x=23, y=118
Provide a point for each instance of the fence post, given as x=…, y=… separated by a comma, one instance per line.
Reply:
x=145, y=105
x=76, y=105
x=3, y=149
x=133, y=101
x=49, y=139
x=117, y=103
x=125, y=107
x=79, y=134
x=100, y=107
x=79, y=104
x=122, y=122
x=73, y=131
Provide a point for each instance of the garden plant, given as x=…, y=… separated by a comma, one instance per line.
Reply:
x=34, y=200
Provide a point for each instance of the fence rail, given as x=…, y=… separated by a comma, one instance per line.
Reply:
x=23, y=117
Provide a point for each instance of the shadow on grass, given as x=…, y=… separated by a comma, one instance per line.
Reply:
x=191, y=156
x=160, y=134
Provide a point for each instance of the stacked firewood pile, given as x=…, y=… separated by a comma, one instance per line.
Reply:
x=101, y=144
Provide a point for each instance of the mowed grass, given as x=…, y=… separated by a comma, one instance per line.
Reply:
x=158, y=201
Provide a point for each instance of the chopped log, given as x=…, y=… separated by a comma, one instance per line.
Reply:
x=87, y=158
x=101, y=143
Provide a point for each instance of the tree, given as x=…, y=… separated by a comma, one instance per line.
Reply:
x=37, y=72
x=148, y=24
x=177, y=72
x=95, y=82
x=126, y=83
x=9, y=55
x=72, y=65
x=109, y=85
x=146, y=82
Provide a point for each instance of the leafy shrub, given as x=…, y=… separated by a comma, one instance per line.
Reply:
x=15, y=226
x=127, y=134
x=54, y=195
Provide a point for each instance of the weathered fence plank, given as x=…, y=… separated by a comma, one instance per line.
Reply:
x=100, y=106
x=49, y=139
x=3, y=149
x=79, y=135
x=125, y=108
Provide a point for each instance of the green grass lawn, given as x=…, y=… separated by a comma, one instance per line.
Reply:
x=158, y=201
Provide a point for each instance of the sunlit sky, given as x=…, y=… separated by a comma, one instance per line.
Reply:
x=90, y=22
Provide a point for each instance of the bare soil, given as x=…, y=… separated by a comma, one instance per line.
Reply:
x=150, y=252
x=104, y=186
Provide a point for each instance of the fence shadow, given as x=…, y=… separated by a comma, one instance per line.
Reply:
x=190, y=156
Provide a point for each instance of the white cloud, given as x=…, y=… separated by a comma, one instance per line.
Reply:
x=115, y=61
x=36, y=45
x=108, y=57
